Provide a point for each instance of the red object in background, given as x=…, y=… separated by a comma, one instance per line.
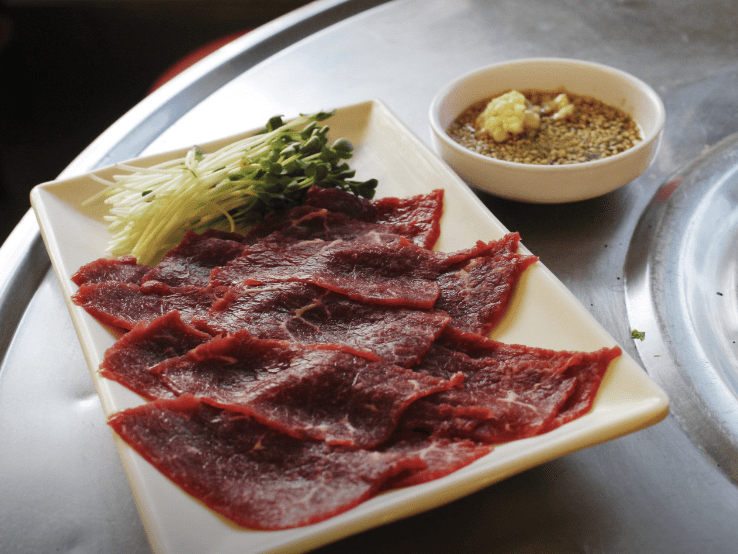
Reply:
x=194, y=57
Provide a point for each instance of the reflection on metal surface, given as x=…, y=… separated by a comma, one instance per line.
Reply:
x=682, y=290
x=23, y=262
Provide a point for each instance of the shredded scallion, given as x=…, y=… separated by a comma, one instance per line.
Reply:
x=230, y=189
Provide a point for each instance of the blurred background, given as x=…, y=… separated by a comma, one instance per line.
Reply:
x=70, y=69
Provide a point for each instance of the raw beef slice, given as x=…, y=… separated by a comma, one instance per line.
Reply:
x=397, y=273
x=245, y=471
x=129, y=360
x=442, y=457
x=189, y=264
x=308, y=222
x=418, y=217
x=331, y=214
x=123, y=305
x=322, y=393
x=477, y=294
x=510, y=392
x=120, y=270
x=306, y=313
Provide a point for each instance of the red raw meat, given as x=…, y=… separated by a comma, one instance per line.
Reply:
x=399, y=273
x=129, y=360
x=336, y=200
x=123, y=305
x=587, y=367
x=270, y=421
x=451, y=261
x=476, y=284
x=189, y=264
x=308, y=222
x=476, y=295
x=223, y=235
x=510, y=391
x=442, y=457
x=331, y=214
x=396, y=273
x=321, y=393
x=418, y=217
x=121, y=270
x=258, y=478
x=309, y=314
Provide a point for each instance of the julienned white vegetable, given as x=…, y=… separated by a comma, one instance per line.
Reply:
x=229, y=189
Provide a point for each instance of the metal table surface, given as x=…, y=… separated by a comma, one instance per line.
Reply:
x=61, y=482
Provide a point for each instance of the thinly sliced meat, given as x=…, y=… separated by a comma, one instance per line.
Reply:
x=331, y=214
x=508, y=244
x=129, y=360
x=398, y=273
x=442, y=457
x=477, y=283
x=309, y=314
x=237, y=362
x=510, y=391
x=338, y=201
x=476, y=296
x=328, y=393
x=417, y=217
x=189, y=264
x=123, y=305
x=588, y=367
x=254, y=476
x=121, y=270
x=589, y=374
x=271, y=422
x=224, y=235
x=309, y=222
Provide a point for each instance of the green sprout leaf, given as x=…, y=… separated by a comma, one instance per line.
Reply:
x=230, y=189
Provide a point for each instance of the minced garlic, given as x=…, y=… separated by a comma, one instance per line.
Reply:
x=560, y=106
x=506, y=115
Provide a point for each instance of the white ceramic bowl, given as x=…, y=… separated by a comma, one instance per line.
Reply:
x=549, y=183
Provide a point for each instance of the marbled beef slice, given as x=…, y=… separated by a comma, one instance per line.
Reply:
x=258, y=478
x=132, y=356
x=308, y=314
x=123, y=305
x=120, y=270
x=510, y=392
x=189, y=264
x=397, y=273
x=325, y=393
x=477, y=295
x=442, y=457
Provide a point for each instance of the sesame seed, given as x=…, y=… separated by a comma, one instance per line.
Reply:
x=596, y=130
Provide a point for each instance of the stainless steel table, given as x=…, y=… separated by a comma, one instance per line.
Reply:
x=62, y=488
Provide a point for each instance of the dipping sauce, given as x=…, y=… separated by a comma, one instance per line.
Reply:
x=587, y=129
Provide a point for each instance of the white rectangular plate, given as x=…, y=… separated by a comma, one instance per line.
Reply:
x=542, y=313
